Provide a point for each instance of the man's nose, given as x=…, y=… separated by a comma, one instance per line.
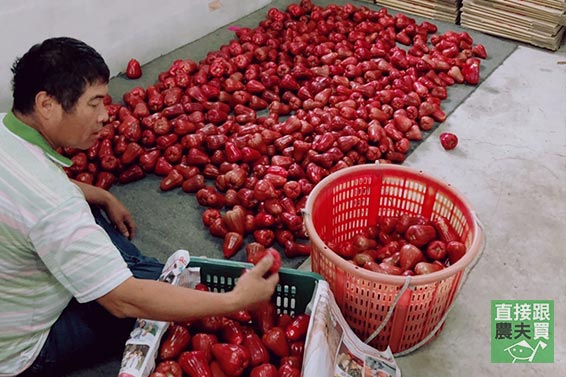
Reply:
x=103, y=115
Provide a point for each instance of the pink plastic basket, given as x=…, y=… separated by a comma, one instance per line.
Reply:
x=409, y=310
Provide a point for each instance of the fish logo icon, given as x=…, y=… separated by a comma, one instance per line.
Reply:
x=524, y=351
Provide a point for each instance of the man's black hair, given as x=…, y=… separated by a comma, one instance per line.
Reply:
x=62, y=67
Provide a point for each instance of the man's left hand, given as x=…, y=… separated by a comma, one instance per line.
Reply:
x=120, y=217
x=116, y=212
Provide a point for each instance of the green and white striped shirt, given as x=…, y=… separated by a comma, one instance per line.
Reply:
x=51, y=249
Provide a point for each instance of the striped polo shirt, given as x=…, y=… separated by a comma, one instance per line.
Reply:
x=51, y=249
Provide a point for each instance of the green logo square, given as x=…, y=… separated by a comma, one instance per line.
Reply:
x=522, y=331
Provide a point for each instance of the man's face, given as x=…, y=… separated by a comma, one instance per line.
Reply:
x=79, y=127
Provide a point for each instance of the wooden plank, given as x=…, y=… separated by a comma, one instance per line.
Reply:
x=472, y=7
x=540, y=23
x=439, y=5
x=412, y=6
x=552, y=44
x=557, y=7
x=548, y=41
x=521, y=8
x=557, y=4
x=512, y=24
x=470, y=20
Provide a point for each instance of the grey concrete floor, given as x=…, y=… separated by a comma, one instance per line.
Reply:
x=511, y=165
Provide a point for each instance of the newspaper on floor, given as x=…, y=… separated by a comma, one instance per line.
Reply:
x=332, y=348
x=140, y=352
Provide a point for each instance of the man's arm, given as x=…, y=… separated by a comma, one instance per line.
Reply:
x=117, y=213
x=165, y=302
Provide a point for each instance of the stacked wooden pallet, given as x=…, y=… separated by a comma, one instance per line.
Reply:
x=538, y=22
x=444, y=10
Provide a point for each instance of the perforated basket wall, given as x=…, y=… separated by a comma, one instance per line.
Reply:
x=352, y=199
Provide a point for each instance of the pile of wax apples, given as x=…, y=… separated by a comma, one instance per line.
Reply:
x=256, y=124
x=403, y=245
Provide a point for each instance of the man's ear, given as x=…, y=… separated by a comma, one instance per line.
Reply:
x=45, y=105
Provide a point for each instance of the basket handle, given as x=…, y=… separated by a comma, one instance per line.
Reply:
x=390, y=311
x=443, y=319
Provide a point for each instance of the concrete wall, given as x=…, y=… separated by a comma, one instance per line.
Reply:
x=118, y=29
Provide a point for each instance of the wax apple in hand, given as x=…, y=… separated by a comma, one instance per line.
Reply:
x=260, y=254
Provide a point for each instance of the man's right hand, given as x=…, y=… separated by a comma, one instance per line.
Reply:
x=252, y=288
x=149, y=299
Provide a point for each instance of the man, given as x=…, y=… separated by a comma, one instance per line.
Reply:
x=68, y=277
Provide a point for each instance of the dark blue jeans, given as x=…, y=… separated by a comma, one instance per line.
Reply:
x=87, y=333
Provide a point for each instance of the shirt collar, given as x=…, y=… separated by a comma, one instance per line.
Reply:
x=29, y=134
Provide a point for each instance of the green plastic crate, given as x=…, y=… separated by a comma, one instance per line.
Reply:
x=292, y=295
